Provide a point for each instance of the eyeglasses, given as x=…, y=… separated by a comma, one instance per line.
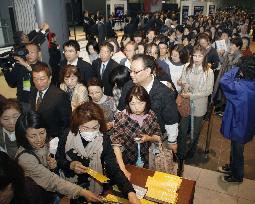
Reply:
x=85, y=128
x=136, y=72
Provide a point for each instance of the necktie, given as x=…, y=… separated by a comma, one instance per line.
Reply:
x=102, y=70
x=39, y=100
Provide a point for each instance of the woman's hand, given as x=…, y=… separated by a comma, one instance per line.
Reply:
x=90, y=197
x=145, y=138
x=132, y=198
x=52, y=163
x=173, y=147
x=77, y=167
x=109, y=125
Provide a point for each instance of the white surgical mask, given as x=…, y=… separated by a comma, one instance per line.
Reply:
x=89, y=136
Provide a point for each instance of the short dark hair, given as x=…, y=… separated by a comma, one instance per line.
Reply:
x=41, y=66
x=180, y=28
x=8, y=104
x=140, y=93
x=30, y=119
x=86, y=112
x=204, y=36
x=108, y=45
x=68, y=71
x=119, y=76
x=114, y=40
x=148, y=61
x=183, y=53
x=72, y=43
x=227, y=31
x=247, y=67
x=94, y=82
x=237, y=42
x=34, y=44
x=94, y=45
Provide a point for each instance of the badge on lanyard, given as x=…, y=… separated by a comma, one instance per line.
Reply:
x=26, y=85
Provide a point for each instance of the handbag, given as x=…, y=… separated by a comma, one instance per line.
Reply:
x=161, y=158
x=183, y=106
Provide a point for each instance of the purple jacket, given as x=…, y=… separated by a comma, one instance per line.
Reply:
x=238, y=122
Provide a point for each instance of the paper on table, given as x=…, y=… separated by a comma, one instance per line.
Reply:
x=54, y=145
x=140, y=191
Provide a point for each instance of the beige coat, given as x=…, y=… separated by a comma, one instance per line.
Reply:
x=40, y=173
x=200, y=84
x=80, y=94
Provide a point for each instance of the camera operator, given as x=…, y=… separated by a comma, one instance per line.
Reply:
x=20, y=75
x=22, y=58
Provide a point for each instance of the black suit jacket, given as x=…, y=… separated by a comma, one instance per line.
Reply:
x=55, y=110
x=162, y=102
x=105, y=80
x=84, y=68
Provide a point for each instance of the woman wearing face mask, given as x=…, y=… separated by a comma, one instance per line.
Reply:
x=33, y=157
x=135, y=123
x=70, y=83
x=87, y=146
x=10, y=110
x=197, y=82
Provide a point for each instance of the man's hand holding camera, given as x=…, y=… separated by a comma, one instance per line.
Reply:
x=23, y=62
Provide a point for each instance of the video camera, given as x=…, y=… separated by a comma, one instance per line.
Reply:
x=7, y=59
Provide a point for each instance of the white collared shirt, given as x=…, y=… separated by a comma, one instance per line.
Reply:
x=43, y=93
x=11, y=135
x=101, y=68
x=149, y=87
x=74, y=63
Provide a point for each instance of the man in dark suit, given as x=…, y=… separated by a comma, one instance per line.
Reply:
x=71, y=51
x=51, y=102
x=104, y=65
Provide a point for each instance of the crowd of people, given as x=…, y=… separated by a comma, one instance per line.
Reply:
x=155, y=86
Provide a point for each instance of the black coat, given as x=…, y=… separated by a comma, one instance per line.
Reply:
x=213, y=58
x=105, y=80
x=55, y=110
x=162, y=103
x=130, y=29
x=84, y=68
x=108, y=161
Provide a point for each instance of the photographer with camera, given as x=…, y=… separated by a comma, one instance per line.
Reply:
x=18, y=63
x=20, y=75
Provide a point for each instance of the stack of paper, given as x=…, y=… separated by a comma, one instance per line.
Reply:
x=163, y=187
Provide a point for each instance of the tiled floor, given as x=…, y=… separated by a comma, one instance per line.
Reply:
x=211, y=190
x=219, y=151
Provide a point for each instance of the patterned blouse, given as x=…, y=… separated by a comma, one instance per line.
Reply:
x=126, y=129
